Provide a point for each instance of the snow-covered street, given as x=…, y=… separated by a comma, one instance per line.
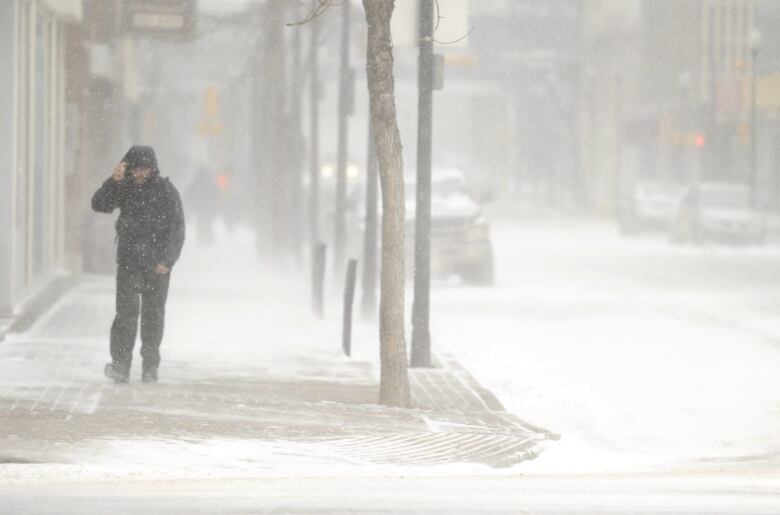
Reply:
x=408, y=494
x=643, y=355
x=656, y=364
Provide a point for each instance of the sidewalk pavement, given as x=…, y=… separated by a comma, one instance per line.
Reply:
x=249, y=383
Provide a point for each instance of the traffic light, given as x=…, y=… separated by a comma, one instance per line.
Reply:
x=223, y=181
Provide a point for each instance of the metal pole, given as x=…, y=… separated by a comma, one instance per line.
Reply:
x=368, y=308
x=318, y=262
x=421, y=336
x=340, y=230
x=618, y=139
x=271, y=223
x=709, y=168
x=257, y=153
x=278, y=87
x=753, y=122
x=349, y=297
x=296, y=146
x=314, y=136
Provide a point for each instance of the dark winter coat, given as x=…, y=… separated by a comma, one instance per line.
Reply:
x=150, y=227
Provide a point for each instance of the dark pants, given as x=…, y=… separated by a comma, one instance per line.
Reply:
x=144, y=291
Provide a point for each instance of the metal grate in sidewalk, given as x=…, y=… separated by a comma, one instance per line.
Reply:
x=494, y=450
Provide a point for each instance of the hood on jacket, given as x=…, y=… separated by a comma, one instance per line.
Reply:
x=141, y=155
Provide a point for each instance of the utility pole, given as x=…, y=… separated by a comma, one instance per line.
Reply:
x=421, y=335
x=278, y=88
x=368, y=307
x=314, y=133
x=296, y=148
x=272, y=222
x=755, y=46
x=753, y=170
x=340, y=229
x=257, y=111
x=710, y=166
x=618, y=139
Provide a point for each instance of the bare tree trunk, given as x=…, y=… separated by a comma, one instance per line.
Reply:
x=394, y=386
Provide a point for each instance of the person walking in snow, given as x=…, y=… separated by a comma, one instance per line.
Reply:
x=150, y=233
x=202, y=197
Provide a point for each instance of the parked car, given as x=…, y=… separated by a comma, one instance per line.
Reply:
x=720, y=211
x=648, y=205
x=460, y=231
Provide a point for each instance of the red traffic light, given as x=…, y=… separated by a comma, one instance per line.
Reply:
x=223, y=181
x=698, y=140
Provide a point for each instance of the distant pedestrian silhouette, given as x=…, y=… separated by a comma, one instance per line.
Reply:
x=203, y=197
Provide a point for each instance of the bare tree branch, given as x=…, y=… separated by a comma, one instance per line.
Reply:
x=439, y=18
x=318, y=8
x=455, y=40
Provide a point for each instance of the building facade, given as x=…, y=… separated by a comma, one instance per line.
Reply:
x=32, y=147
x=693, y=118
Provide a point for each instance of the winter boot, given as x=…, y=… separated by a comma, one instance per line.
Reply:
x=149, y=375
x=117, y=372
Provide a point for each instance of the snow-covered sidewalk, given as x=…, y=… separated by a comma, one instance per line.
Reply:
x=250, y=385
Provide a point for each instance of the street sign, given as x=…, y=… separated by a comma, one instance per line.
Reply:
x=211, y=124
x=160, y=17
x=452, y=23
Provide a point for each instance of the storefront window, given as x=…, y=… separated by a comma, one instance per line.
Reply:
x=38, y=169
x=20, y=235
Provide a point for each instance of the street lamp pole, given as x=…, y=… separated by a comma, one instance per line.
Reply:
x=345, y=91
x=314, y=133
x=755, y=45
x=684, y=123
x=619, y=179
x=421, y=307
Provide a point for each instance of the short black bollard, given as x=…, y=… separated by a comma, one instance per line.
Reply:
x=319, y=256
x=349, y=297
